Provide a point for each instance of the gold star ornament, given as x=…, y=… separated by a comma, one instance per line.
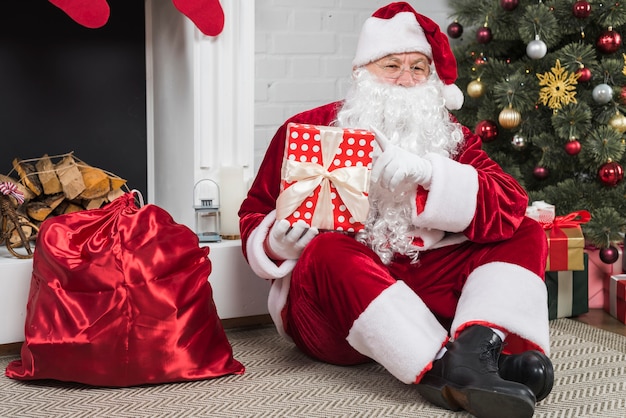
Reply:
x=559, y=87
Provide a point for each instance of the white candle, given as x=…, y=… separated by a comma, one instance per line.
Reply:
x=232, y=193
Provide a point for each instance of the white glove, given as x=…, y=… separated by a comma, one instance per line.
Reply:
x=396, y=167
x=285, y=242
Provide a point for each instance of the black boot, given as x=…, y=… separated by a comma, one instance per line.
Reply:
x=466, y=377
x=531, y=368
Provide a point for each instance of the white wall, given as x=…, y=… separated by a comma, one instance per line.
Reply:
x=304, y=51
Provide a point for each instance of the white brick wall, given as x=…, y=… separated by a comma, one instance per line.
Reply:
x=304, y=51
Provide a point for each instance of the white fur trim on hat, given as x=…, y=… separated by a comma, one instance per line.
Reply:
x=453, y=96
x=381, y=37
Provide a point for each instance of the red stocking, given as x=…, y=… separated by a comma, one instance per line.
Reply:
x=207, y=15
x=89, y=13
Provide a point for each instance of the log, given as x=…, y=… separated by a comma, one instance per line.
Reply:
x=95, y=203
x=96, y=182
x=28, y=175
x=117, y=183
x=72, y=207
x=40, y=209
x=48, y=176
x=114, y=194
x=70, y=177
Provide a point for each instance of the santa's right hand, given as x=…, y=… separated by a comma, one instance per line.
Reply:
x=286, y=242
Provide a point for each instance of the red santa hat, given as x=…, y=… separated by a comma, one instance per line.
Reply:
x=398, y=28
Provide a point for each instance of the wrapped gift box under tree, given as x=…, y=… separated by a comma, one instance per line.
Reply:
x=325, y=177
x=565, y=237
x=566, y=242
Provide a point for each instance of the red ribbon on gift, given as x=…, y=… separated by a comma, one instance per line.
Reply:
x=558, y=241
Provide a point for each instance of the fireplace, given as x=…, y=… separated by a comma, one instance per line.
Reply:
x=147, y=96
x=64, y=87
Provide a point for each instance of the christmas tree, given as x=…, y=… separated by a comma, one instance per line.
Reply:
x=545, y=86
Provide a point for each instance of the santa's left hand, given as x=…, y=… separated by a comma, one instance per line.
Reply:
x=395, y=166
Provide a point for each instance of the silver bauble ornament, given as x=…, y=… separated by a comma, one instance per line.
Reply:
x=518, y=141
x=602, y=93
x=536, y=49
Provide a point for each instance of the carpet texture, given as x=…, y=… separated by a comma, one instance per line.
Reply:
x=590, y=381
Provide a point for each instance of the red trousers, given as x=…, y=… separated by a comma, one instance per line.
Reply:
x=336, y=278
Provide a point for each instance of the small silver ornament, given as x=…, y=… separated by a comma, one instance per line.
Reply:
x=536, y=49
x=518, y=141
x=602, y=93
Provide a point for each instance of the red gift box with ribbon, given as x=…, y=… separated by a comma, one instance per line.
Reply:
x=325, y=177
x=566, y=241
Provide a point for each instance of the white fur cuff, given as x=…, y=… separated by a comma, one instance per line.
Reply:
x=508, y=296
x=261, y=264
x=399, y=332
x=452, y=196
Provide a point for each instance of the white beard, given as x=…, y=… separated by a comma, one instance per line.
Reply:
x=415, y=119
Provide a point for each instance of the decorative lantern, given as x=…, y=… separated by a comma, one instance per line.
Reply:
x=207, y=208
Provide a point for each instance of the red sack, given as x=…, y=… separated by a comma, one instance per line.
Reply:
x=119, y=296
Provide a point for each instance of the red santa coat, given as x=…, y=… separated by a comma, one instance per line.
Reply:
x=477, y=246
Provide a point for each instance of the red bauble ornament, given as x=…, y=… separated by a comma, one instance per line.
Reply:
x=581, y=9
x=584, y=74
x=541, y=172
x=572, y=147
x=609, y=255
x=509, y=5
x=611, y=173
x=483, y=35
x=609, y=41
x=487, y=130
x=455, y=30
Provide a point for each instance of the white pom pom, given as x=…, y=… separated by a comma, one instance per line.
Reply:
x=453, y=96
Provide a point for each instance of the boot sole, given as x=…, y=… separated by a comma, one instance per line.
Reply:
x=478, y=402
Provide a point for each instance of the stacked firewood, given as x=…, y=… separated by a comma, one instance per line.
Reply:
x=68, y=185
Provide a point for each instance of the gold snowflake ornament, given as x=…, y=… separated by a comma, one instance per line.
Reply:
x=624, y=69
x=559, y=87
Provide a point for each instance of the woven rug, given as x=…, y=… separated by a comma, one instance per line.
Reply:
x=590, y=369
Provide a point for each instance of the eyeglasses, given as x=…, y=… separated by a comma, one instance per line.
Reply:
x=394, y=70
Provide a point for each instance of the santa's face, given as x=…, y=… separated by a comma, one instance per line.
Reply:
x=407, y=69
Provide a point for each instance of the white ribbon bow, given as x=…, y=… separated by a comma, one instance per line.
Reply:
x=350, y=182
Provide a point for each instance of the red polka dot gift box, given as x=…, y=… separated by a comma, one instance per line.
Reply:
x=325, y=177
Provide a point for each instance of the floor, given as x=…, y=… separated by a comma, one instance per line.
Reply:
x=600, y=319
x=595, y=317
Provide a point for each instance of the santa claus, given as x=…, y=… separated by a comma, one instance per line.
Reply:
x=444, y=287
